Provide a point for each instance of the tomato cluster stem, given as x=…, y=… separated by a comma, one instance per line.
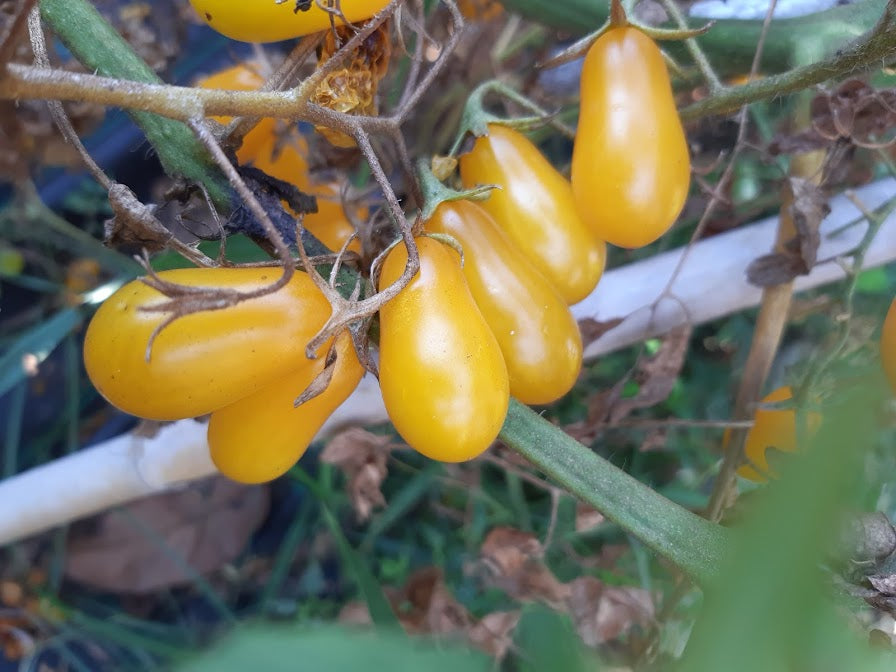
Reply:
x=695, y=545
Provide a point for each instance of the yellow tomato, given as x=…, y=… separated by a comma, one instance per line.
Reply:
x=243, y=77
x=259, y=437
x=206, y=360
x=539, y=337
x=772, y=429
x=630, y=165
x=442, y=375
x=535, y=207
x=273, y=20
x=888, y=345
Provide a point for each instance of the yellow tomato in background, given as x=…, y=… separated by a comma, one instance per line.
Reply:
x=888, y=345
x=259, y=437
x=538, y=335
x=535, y=208
x=272, y=21
x=630, y=164
x=442, y=374
x=206, y=360
x=773, y=429
x=243, y=77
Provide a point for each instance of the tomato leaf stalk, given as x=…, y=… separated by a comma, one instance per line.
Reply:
x=100, y=48
x=695, y=545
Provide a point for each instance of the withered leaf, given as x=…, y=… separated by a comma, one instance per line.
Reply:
x=656, y=373
x=362, y=456
x=513, y=561
x=592, y=329
x=587, y=517
x=493, y=633
x=133, y=549
x=885, y=584
x=805, y=205
x=426, y=606
x=602, y=613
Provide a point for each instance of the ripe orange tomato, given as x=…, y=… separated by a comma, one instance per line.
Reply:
x=772, y=429
x=539, y=337
x=442, y=375
x=630, y=165
x=535, y=207
x=243, y=77
x=888, y=345
x=259, y=437
x=272, y=21
x=203, y=361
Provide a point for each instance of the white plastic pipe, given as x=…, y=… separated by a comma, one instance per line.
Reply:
x=711, y=284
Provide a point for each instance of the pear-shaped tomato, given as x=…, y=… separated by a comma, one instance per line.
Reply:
x=630, y=163
x=773, y=429
x=442, y=375
x=205, y=360
x=535, y=207
x=888, y=345
x=539, y=337
x=259, y=437
x=275, y=20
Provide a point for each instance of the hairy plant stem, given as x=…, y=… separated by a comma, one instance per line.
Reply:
x=695, y=545
x=101, y=49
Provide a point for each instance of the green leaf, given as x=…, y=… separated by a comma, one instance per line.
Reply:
x=40, y=340
x=873, y=281
x=276, y=648
x=546, y=640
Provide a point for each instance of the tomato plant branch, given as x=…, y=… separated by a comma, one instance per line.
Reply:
x=696, y=546
x=102, y=50
x=9, y=39
x=693, y=47
x=875, y=49
x=730, y=43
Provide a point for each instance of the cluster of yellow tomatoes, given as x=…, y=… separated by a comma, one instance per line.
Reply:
x=460, y=338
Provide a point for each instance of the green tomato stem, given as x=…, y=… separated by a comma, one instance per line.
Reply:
x=435, y=193
x=731, y=43
x=695, y=545
x=100, y=48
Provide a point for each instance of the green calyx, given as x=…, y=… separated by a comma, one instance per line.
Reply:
x=435, y=193
x=476, y=119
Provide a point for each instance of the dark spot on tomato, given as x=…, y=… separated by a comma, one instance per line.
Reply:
x=208, y=17
x=302, y=6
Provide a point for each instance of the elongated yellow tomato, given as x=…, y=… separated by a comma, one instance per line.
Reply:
x=630, y=163
x=536, y=209
x=773, y=429
x=273, y=20
x=539, y=337
x=258, y=438
x=888, y=345
x=442, y=375
x=203, y=361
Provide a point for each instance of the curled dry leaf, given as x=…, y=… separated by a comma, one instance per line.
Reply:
x=513, y=560
x=587, y=517
x=426, y=606
x=362, y=457
x=164, y=540
x=602, y=613
x=656, y=374
x=494, y=632
x=592, y=329
x=805, y=204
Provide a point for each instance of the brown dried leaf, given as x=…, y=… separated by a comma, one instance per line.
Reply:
x=592, y=329
x=513, y=559
x=884, y=584
x=362, y=457
x=602, y=613
x=805, y=204
x=657, y=373
x=132, y=549
x=587, y=517
x=494, y=633
x=655, y=440
x=425, y=606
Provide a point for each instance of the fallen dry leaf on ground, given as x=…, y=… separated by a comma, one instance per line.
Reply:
x=164, y=540
x=362, y=457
